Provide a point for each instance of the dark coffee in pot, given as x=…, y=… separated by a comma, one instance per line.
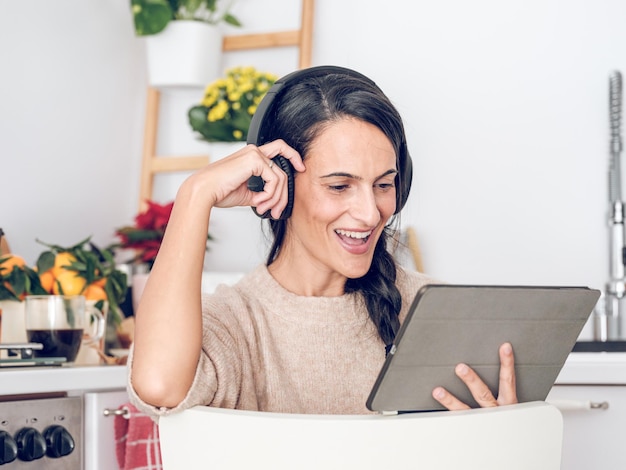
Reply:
x=57, y=343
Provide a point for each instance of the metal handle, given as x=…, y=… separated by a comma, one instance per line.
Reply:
x=119, y=412
x=576, y=405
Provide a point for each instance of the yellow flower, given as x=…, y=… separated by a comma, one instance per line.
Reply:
x=218, y=111
x=262, y=87
x=229, y=102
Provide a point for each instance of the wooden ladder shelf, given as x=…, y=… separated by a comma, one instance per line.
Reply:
x=153, y=164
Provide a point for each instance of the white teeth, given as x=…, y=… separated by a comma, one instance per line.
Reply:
x=358, y=235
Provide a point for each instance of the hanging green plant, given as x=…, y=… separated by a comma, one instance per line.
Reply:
x=152, y=16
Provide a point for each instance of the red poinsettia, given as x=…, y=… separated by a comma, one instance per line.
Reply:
x=146, y=235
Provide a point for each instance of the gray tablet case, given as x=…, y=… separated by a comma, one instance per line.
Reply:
x=449, y=324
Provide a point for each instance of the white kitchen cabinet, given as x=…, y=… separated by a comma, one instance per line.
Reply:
x=593, y=437
x=99, y=428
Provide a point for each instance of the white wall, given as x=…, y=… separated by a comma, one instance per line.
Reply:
x=71, y=118
x=505, y=105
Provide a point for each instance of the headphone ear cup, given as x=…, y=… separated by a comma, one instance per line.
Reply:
x=406, y=179
x=284, y=165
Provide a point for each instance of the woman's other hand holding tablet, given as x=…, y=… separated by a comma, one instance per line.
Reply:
x=507, y=394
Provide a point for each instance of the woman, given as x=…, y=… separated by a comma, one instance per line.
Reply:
x=308, y=332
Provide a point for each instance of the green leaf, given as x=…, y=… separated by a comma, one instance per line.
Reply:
x=212, y=131
x=191, y=5
x=45, y=261
x=241, y=121
x=231, y=20
x=151, y=16
x=90, y=270
x=116, y=289
x=198, y=117
x=17, y=280
x=34, y=283
x=6, y=294
x=60, y=249
x=59, y=287
x=105, y=255
x=136, y=235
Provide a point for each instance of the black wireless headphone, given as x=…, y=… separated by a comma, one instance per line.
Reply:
x=259, y=127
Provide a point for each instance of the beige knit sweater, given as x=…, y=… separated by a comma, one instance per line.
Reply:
x=267, y=349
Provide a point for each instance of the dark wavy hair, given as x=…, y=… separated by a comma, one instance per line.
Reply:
x=303, y=111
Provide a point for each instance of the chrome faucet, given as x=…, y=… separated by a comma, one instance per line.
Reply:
x=615, y=296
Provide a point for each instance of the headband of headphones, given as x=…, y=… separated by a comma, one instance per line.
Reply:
x=258, y=130
x=255, y=132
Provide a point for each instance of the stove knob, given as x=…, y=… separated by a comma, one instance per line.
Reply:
x=8, y=448
x=30, y=444
x=59, y=442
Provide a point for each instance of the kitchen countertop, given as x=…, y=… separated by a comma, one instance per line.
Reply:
x=66, y=378
x=595, y=368
x=581, y=368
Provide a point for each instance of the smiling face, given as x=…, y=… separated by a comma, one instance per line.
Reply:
x=342, y=202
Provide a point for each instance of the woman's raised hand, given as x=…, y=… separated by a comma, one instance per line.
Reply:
x=226, y=179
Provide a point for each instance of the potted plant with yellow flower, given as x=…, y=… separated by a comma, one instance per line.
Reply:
x=226, y=109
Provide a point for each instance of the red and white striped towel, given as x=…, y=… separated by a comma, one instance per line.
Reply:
x=136, y=440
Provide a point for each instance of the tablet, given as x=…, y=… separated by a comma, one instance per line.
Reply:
x=449, y=324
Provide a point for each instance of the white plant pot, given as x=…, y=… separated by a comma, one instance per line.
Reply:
x=184, y=54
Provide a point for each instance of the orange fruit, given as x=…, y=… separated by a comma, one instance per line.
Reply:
x=12, y=261
x=94, y=292
x=100, y=282
x=69, y=283
x=61, y=262
x=47, y=280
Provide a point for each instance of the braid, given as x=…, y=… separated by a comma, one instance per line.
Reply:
x=378, y=287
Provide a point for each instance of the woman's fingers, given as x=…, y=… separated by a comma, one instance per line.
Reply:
x=279, y=147
x=507, y=393
x=479, y=390
x=274, y=195
x=448, y=400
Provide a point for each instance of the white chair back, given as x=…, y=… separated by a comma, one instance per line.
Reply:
x=524, y=436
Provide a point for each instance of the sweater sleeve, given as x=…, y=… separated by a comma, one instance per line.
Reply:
x=193, y=397
x=218, y=376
